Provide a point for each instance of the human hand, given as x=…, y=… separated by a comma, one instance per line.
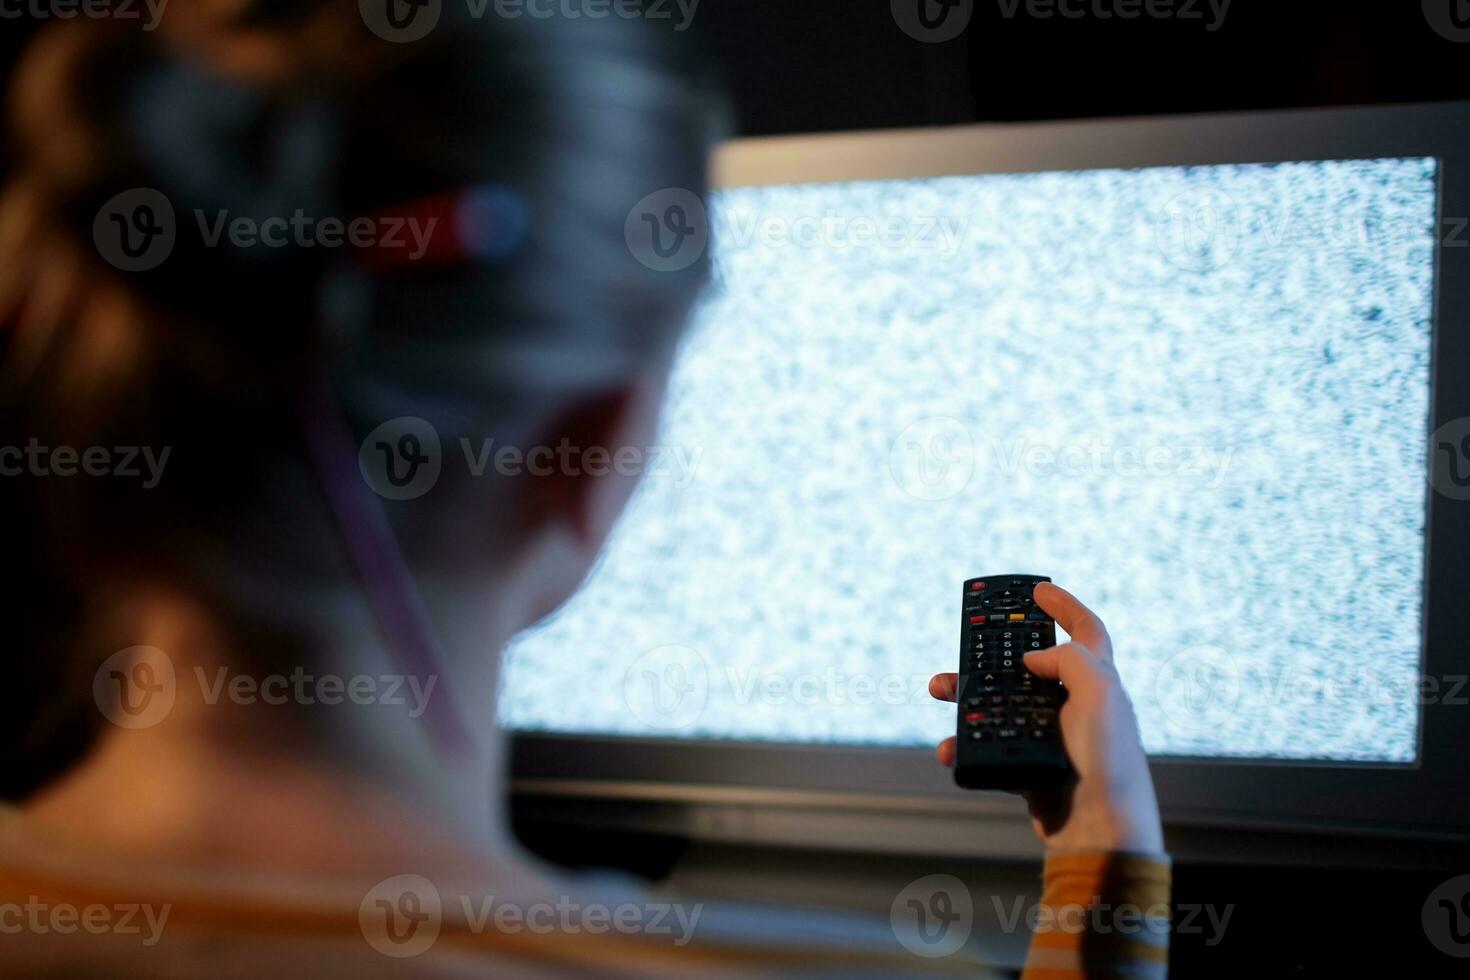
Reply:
x=1111, y=804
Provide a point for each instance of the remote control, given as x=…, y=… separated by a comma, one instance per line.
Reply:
x=1009, y=734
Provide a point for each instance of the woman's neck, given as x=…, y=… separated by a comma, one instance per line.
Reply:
x=324, y=767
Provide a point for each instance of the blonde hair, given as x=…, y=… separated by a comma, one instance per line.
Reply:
x=248, y=107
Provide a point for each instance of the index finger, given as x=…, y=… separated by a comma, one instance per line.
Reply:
x=945, y=687
x=1081, y=623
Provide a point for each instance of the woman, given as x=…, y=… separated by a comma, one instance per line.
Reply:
x=172, y=282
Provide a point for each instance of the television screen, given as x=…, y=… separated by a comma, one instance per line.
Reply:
x=1195, y=396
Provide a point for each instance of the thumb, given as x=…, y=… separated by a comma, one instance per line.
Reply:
x=1070, y=663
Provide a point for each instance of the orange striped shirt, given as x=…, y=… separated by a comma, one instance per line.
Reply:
x=68, y=914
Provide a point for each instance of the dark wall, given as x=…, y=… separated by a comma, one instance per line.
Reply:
x=810, y=65
x=821, y=65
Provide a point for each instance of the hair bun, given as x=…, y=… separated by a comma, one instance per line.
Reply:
x=244, y=169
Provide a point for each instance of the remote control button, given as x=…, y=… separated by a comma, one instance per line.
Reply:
x=1018, y=616
x=977, y=586
x=1037, y=615
x=979, y=735
x=1040, y=733
x=974, y=717
x=1008, y=733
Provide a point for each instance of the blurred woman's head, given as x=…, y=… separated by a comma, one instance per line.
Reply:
x=266, y=331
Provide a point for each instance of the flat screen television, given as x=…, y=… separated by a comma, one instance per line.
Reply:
x=1210, y=373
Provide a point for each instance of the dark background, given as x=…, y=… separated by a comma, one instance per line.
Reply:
x=814, y=65
x=808, y=65
x=823, y=65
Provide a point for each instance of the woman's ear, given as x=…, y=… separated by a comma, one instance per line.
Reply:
x=590, y=460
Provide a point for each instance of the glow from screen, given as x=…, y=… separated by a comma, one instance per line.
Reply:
x=1197, y=397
